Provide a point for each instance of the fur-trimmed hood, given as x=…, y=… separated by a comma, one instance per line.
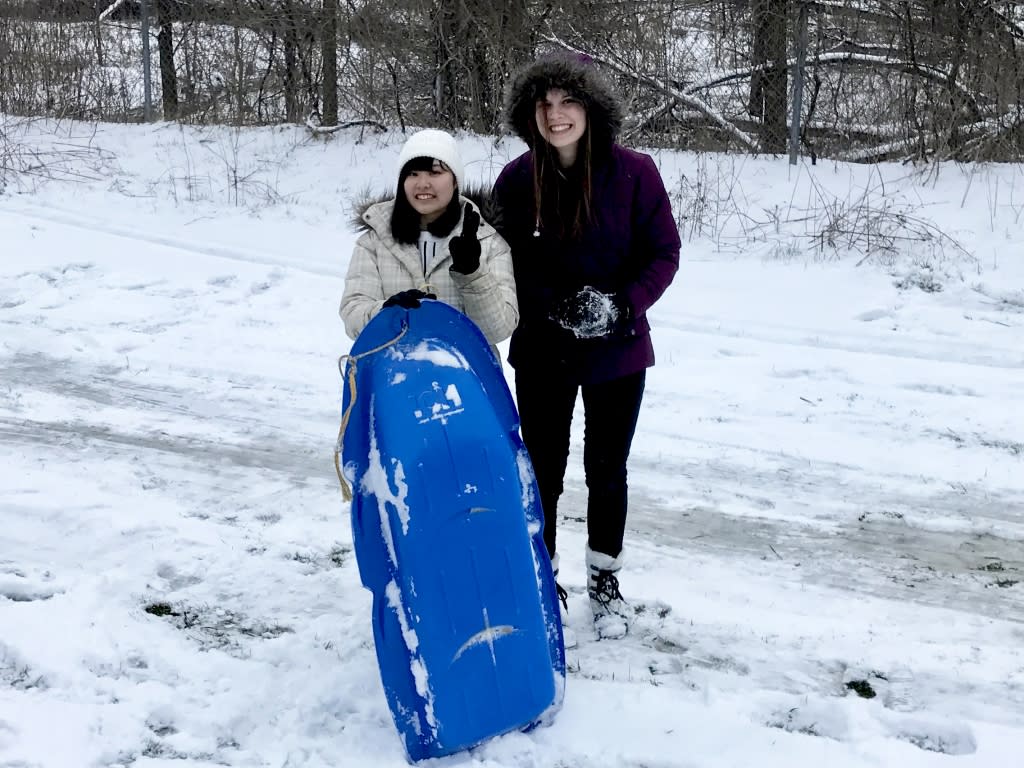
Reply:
x=577, y=76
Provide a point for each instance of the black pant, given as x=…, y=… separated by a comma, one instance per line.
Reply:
x=610, y=412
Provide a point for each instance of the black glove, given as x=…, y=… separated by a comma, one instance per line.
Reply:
x=409, y=299
x=465, y=248
x=591, y=314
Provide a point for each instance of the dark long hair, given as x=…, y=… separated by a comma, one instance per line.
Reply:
x=405, y=220
x=563, y=198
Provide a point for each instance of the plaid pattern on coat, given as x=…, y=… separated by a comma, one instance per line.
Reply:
x=381, y=267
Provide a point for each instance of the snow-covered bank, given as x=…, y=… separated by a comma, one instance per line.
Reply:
x=828, y=480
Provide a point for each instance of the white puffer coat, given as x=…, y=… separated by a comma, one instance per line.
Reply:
x=381, y=267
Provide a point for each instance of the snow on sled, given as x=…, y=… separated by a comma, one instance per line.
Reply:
x=447, y=528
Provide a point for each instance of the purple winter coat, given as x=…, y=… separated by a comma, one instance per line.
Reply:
x=630, y=248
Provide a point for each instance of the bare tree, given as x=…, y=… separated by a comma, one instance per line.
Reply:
x=329, y=52
x=768, y=91
x=475, y=45
x=885, y=78
x=165, y=45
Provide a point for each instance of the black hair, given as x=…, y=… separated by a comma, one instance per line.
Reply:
x=405, y=220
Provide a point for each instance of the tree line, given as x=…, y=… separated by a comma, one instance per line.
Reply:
x=879, y=79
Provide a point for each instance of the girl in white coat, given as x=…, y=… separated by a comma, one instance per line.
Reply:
x=430, y=241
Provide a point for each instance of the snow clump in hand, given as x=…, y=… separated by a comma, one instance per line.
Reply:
x=589, y=314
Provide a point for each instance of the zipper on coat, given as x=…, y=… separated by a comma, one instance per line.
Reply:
x=428, y=251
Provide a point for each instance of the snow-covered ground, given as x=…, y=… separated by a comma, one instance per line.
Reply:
x=827, y=484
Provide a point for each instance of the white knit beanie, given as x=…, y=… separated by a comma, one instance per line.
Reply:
x=436, y=144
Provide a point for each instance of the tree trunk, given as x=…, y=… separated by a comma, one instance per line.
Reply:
x=239, y=79
x=961, y=22
x=445, y=22
x=98, y=32
x=758, y=57
x=290, y=39
x=168, y=74
x=329, y=51
x=768, y=89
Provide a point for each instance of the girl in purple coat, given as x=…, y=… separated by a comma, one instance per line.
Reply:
x=594, y=245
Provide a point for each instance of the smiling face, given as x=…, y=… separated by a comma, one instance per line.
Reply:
x=561, y=122
x=429, y=191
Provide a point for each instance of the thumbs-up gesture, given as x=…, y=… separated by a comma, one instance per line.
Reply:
x=465, y=248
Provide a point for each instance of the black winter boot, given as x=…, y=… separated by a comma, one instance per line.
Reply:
x=568, y=635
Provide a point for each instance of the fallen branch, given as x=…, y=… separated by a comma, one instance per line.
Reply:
x=684, y=98
x=110, y=9
x=834, y=58
x=638, y=122
x=324, y=130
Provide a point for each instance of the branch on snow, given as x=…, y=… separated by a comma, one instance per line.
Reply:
x=921, y=70
x=324, y=130
x=1013, y=27
x=986, y=132
x=110, y=9
x=682, y=97
x=879, y=152
x=973, y=138
x=638, y=122
x=834, y=58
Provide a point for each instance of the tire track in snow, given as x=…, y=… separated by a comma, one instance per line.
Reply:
x=878, y=556
x=853, y=532
x=292, y=461
x=913, y=348
x=263, y=258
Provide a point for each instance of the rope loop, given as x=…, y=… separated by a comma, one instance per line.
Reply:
x=353, y=365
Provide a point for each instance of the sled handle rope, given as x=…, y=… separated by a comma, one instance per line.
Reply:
x=346, y=491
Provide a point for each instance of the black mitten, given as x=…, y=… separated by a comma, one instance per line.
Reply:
x=409, y=299
x=465, y=248
x=623, y=312
x=591, y=314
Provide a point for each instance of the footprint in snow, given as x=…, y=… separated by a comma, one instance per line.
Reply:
x=21, y=587
x=873, y=314
x=944, y=736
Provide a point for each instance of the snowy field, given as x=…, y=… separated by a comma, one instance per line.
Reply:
x=827, y=523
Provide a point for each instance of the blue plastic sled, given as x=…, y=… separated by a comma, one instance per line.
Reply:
x=447, y=527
